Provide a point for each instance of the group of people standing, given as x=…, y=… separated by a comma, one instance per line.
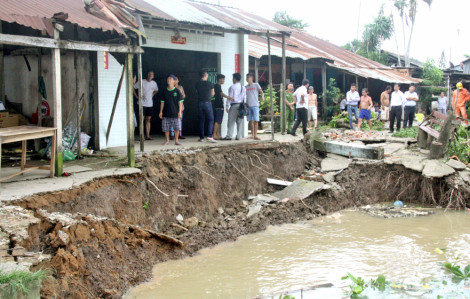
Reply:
x=301, y=107
x=241, y=101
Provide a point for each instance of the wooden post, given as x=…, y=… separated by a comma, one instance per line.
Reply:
x=2, y=71
x=37, y=142
x=305, y=69
x=344, y=83
x=130, y=113
x=357, y=82
x=141, y=95
x=79, y=143
x=324, y=87
x=256, y=69
x=283, y=86
x=57, y=104
x=270, y=84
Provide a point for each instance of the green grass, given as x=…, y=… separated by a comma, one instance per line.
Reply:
x=20, y=281
x=407, y=133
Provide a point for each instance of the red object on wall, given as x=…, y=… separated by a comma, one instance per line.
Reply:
x=106, y=60
x=237, y=63
x=180, y=40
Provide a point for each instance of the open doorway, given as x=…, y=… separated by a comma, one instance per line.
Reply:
x=186, y=65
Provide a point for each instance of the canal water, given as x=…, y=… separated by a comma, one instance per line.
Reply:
x=295, y=256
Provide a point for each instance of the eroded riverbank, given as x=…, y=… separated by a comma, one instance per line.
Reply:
x=105, y=237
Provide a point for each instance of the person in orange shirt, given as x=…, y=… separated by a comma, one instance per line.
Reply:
x=463, y=97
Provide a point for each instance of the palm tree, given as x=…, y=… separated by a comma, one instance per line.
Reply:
x=407, y=9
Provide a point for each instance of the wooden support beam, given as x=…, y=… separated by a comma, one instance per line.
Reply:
x=57, y=105
x=141, y=98
x=344, y=83
x=78, y=107
x=116, y=98
x=256, y=69
x=31, y=41
x=349, y=149
x=2, y=70
x=130, y=113
x=305, y=69
x=270, y=85
x=283, y=86
x=324, y=87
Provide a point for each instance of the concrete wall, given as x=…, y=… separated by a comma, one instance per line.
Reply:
x=226, y=46
x=21, y=85
x=108, y=80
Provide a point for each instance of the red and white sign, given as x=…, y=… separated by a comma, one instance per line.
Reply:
x=106, y=60
x=180, y=40
x=237, y=63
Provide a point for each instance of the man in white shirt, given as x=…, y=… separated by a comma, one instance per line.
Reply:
x=149, y=88
x=301, y=101
x=396, y=103
x=410, y=107
x=352, y=100
x=237, y=95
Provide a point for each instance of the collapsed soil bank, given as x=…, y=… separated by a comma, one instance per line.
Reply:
x=100, y=253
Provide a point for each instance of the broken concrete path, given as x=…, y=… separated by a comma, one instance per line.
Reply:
x=18, y=190
x=457, y=165
x=436, y=169
x=300, y=189
x=334, y=163
x=349, y=149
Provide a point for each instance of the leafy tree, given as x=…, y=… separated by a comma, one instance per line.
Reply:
x=432, y=75
x=372, y=37
x=283, y=18
x=407, y=10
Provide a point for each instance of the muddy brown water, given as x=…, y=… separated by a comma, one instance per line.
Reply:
x=295, y=256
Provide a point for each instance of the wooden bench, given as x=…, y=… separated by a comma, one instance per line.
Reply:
x=428, y=132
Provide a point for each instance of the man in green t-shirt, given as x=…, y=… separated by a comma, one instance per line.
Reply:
x=290, y=109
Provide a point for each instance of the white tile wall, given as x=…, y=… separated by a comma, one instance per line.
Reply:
x=227, y=46
x=108, y=80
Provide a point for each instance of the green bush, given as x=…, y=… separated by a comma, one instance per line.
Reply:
x=266, y=104
x=407, y=133
x=21, y=281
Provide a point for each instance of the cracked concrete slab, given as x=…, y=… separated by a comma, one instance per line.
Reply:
x=299, y=189
x=437, y=169
x=457, y=165
x=334, y=163
x=17, y=190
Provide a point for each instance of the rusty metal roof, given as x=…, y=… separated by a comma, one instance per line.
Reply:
x=37, y=14
x=305, y=46
x=192, y=12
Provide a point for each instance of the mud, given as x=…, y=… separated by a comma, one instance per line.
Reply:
x=106, y=236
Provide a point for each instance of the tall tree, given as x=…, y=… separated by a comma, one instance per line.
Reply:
x=407, y=9
x=283, y=18
x=373, y=35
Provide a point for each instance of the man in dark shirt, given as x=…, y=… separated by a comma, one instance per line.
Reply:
x=218, y=105
x=205, y=91
x=171, y=108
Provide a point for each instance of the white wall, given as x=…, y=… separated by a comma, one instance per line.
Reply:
x=227, y=46
x=108, y=80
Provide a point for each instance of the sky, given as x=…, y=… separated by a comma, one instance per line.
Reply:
x=443, y=26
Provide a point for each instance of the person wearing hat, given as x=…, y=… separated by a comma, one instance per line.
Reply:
x=459, y=97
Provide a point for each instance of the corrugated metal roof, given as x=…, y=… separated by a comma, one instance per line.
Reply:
x=37, y=14
x=206, y=14
x=305, y=46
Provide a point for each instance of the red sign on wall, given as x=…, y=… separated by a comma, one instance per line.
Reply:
x=180, y=40
x=237, y=63
x=106, y=60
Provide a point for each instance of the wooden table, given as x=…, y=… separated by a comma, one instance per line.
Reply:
x=24, y=133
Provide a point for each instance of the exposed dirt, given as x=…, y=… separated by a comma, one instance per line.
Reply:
x=97, y=257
